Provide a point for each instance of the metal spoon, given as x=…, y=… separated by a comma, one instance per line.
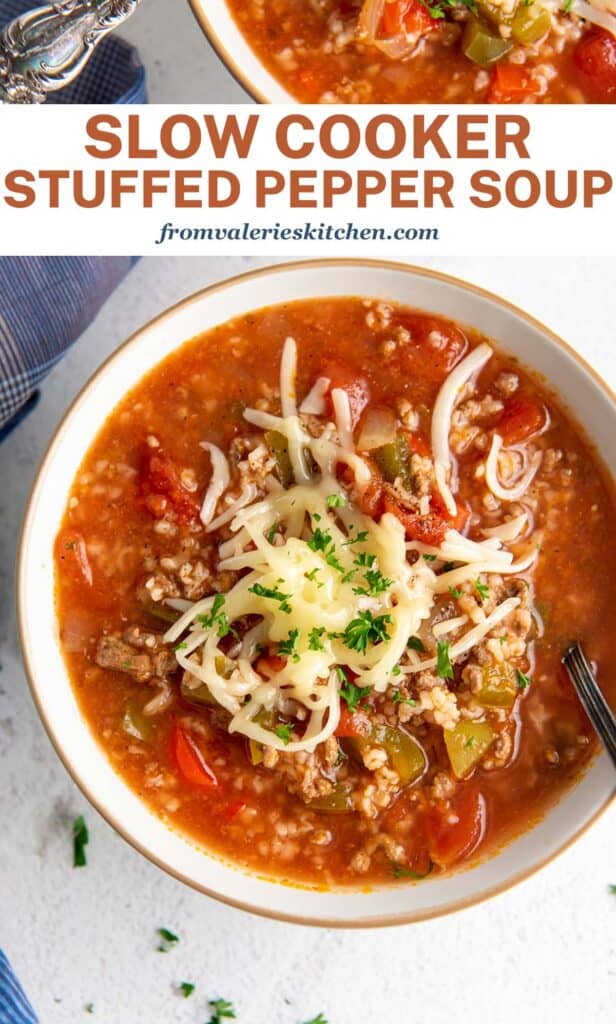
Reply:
x=47, y=48
x=595, y=704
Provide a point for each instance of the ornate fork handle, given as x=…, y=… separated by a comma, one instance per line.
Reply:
x=47, y=48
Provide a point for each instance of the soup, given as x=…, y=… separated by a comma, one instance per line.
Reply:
x=449, y=51
x=314, y=581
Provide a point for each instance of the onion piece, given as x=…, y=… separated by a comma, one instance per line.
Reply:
x=517, y=490
x=342, y=410
x=219, y=481
x=441, y=419
x=288, y=373
x=379, y=427
x=314, y=402
x=509, y=530
x=248, y=494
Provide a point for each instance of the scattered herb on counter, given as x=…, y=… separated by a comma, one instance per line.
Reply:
x=81, y=838
x=221, y=1010
x=187, y=988
x=168, y=940
x=319, y=1019
x=89, y=1007
x=444, y=668
x=612, y=889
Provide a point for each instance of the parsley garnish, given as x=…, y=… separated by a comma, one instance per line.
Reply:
x=415, y=644
x=271, y=533
x=321, y=540
x=283, y=732
x=567, y=6
x=314, y=638
x=612, y=889
x=361, y=537
x=187, y=988
x=273, y=594
x=377, y=583
x=319, y=1019
x=181, y=646
x=89, y=1007
x=455, y=591
x=398, y=698
x=289, y=646
x=402, y=872
x=396, y=670
x=448, y=566
x=470, y=742
x=523, y=681
x=352, y=694
x=311, y=575
x=221, y=1009
x=429, y=558
x=81, y=838
x=336, y=501
x=217, y=619
x=482, y=589
x=443, y=664
x=364, y=558
x=168, y=940
x=365, y=629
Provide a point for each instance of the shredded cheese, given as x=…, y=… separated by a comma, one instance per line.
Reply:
x=520, y=487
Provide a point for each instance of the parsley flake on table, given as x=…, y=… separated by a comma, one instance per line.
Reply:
x=187, y=988
x=482, y=589
x=283, y=732
x=89, y=1007
x=167, y=940
x=81, y=838
x=288, y=647
x=319, y=1019
x=353, y=694
x=612, y=889
x=365, y=629
x=523, y=681
x=221, y=1009
x=444, y=668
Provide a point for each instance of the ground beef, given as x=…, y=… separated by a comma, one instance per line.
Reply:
x=138, y=653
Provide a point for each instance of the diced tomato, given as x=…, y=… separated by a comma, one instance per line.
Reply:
x=449, y=842
x=510, y=83
x=435, y=347
x=357, y=388
x=457, y=522
x=520, y=419
x=371, y=499
x=352, y=723
x=407, y=16
x=190, y=760
x=595, y=60
x=162, y=488
x=429, y=529
x=418, y=444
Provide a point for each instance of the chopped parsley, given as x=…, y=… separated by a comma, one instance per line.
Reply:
x=482, y=589
x=283, y=732
x=167, y=940
x=353, y=694
x=336, y=501
x=89, y=1007
x=429, y=558
x=376, y=583
x=361, y=537
x=187, y=988
x=319, y=1019
x=217, y=619
x=273, y=595
x=448, y=566
x=311, y=575
x=271, y=533
x=365, y=559
x=221, y=1009
x=399, y=698
x=396, y=670
x=181, y=646
x=81, y=838
x=612, y=889
x=455, y=591
x=321, y=540
x=415, y=644
x=289, y=646
x=365, y=629
x=402, y=872
x=470, y=742
x=523, y=681
x=342, y=676
x=567, y=6
x=444, y=667
x=314, y=638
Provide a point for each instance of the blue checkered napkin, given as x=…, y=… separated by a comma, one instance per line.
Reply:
x=14, y=1007
x=114, y=74
x=46, y=302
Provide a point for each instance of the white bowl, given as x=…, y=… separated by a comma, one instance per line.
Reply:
x=534, y=344
x=218, y=23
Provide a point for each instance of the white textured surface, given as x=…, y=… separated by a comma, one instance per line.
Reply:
x=544, y=952
x=186, y=69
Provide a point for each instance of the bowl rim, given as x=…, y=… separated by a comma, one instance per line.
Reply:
x=98, y=802
x=237, y=72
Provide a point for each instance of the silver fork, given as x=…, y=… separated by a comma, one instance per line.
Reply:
x=595, y=704
x=47, y=48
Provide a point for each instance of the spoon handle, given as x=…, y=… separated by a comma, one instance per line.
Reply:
x=48, y=47
x=595, y=704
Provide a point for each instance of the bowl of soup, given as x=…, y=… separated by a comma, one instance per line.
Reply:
x=295, y=581
x=408, y=51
